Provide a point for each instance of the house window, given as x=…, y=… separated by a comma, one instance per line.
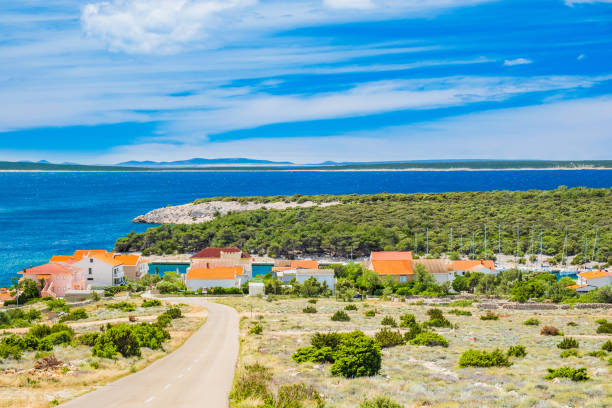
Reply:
x=402, y=279
x=90, y=260
x=89, y=278
x=90, y=271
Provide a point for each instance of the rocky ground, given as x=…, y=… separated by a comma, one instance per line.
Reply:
x=196, y=213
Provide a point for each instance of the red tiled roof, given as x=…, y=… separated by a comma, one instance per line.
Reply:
x=595, y=274
x=216, y=252
x=391, y=256
x=466, y=265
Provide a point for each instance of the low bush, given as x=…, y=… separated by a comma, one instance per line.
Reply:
x=443, y=322
x=380, y=402
x=370, y=313
x=350, y=307
x=532, y=321
x=389, y=338
x=574, y=374
x=413, y=332
x=478, y=358
x=10, y=351
x=151, y=303
x=570, y=353
x=352, y=354
x=605, y=327
x=251, y=382
x=76, y=314
x=572, y=324
x=435, y=313
x=87, y=339
x=550, y=331
x=461, y=303
x=489, y=316
x=517, y=351
x=313, y=301
x=120, y=339
x=57, y=305
x=607, y=346
x=292, y=396
x=388, y=321
x=150, y=335
x=40, y=331
x=429, y=339
x=309, y=309
x=123, y=306
x=598, y=353
x=459, y=312
x=568, y=343
x=174, y=312
x=61, y=327
x=340, y=316
x=257, y=328
x=407, y=320
x=61, y=337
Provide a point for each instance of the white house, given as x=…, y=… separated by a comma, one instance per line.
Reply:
x=302, y=275
x=480, y=265
x=220, y=276
x=100, y=268
x=592, y=280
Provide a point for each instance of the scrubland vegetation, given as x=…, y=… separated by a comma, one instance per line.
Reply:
x=465, y=362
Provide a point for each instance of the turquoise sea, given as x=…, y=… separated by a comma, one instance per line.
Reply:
x=42, y=214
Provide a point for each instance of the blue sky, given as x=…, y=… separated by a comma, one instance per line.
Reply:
x=305, y=80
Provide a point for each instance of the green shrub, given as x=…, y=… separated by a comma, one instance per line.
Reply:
x=570, y=353
x=151, y=303
x=123, y=306
x=380, y=402
x=251, y=382
x=489, y=316
x=477, y=358
x=119, y=338
x=163, y=320
x=76, y=314
x=550, y=331
x=313, y=354
x=40, y=331
x=292, y=396
x=58, y=304
x=413, y=332
x=313, y=301
x=598, y=353
x=389, y=338
x=340, y=316
x=443, y=322
x=87, y=339
x=575, y=374
x=407, y=320
x=568, y=343
x=174, y=312
x=357, y=356
x=532, y=321
x=257, y=328
x=607, y=346
x=61, y=337
x=150, y=335
x=388, y=321
x=435, y=313
x=459, y=312
x=605, y=328
x=332, y=340
x=350, y=307
x=10, y=351
x=572, y=324
x=517, y=351
x=429, y=339
x=462, y=303
x=370, y=313
x=309, y=309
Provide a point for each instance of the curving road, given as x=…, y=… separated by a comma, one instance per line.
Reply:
x=198, y=374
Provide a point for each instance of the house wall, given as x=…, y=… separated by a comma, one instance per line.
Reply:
x=599, y=282
x=58, y=284
x=102, y=273
x=443, y=277
x=399, y=278
x=195, y=284
x=135, y=272
x=225, y=260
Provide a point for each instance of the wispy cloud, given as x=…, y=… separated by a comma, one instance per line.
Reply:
x=572, y=2
x=517, y=61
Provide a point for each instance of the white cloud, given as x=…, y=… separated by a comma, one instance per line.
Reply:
x=564, y=130
x=166, y=26
x=572, y=2
x=348, y=4
x=580, y=57
x=517, y=61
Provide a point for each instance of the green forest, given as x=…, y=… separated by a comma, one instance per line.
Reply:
x=573, y=221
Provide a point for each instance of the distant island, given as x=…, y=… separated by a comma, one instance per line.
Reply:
x=243, y=164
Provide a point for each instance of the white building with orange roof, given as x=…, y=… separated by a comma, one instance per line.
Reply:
x=58, y=278
x=394, y=264
x=478, y=265
x=588, y=281
x=217, y=276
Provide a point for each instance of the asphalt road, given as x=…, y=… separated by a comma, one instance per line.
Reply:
x=198, y=374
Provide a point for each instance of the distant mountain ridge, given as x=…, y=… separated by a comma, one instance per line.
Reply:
x=201, y=162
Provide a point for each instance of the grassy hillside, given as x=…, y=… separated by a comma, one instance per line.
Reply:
x=391, y=221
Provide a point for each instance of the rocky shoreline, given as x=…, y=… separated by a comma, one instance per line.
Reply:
x=203, y=212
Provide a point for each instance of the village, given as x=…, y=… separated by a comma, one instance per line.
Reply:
x=75, y=277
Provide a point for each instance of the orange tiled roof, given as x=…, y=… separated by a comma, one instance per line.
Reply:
x=595, y=274
x=465, y=265
x=127, y=259
x=219, y=272
x=575, y=286
x=403, y=267
x=5, y=294
x=48, y=269
x=391, y=256
x=60, y=258
x=306, y=264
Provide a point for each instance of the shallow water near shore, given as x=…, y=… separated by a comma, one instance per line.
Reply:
x=42, y=214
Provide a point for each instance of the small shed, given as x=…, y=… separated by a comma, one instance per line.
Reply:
x=256, y=288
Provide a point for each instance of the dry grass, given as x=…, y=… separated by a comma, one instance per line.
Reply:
x=430, y=376
x=40, y=389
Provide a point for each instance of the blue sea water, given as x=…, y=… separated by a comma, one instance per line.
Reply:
x=42, y=214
